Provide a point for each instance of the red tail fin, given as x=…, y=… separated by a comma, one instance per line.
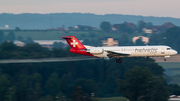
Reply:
x=73, y=42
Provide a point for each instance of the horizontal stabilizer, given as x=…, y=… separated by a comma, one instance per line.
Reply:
x=87, y=46
x=66, y=37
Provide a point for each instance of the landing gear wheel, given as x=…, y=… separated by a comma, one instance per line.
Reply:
x=164, y=59
x=118, y=60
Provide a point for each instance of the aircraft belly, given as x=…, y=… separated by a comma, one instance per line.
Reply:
x=139, y=54
x=103, y=55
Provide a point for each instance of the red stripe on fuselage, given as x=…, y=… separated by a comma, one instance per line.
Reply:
x=77, y=51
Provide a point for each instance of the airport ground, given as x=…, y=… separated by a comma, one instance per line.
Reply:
x=172, y=68
x=174, y=59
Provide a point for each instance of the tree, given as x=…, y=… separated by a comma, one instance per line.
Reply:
x=8, y=46
x=106, y=26
x=34, y=48
x=29, y=40
x=171, y=38
x=10, y=37
x=78, y=95
x=109, y=87
x=46, y=98
x=149, y=25
x=17, y=29
x=174, y=89
x=124, y=40
x=58, y=45
x=37, y=78
x=139, y=42
x=123, y=28
x=82, y=28
x=4, y=87
x=87, y=86
x=63, y=85
x=156, y=39
x=1, y=36
x=61, y=97
x=141, y=84
x=156, y=90
x=52, y=84
x=12, y=93
x=141, y=25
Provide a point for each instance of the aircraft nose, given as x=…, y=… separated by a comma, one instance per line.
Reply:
x=174, y=52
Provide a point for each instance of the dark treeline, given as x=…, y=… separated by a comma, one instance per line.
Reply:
x=41, y=81
x=170, y=37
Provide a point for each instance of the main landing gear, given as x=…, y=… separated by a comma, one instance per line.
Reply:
x=118, y=60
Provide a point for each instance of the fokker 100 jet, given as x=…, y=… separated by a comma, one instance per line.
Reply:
x=118, y=52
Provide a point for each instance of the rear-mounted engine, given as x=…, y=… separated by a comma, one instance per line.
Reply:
x=95, y=51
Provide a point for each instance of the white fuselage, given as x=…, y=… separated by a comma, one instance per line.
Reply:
x=137, y=51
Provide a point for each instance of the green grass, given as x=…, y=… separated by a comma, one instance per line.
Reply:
x=113, y=99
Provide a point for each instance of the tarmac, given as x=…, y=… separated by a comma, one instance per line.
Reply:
x=63, y=59
x=159, y=60
x=175, y=58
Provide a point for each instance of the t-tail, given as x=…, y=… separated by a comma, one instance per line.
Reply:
x=76, y=46
x=73, y=42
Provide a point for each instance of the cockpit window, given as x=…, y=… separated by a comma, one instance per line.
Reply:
x=168, y=48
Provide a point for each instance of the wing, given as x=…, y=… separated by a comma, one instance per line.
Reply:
x=114, y=54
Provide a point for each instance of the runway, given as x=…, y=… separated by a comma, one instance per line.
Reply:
x=175, y=58
x=172, y=59
x=63, y=59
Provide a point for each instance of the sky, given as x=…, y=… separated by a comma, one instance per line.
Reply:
x=157, y=8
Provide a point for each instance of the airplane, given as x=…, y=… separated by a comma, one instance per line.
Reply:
x=118, y=52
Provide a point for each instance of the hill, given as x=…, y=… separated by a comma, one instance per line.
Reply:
x=44, y=21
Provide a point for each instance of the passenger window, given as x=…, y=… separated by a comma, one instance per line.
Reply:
x=168, y=48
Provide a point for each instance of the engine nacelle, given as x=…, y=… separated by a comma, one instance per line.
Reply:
x=95, y=51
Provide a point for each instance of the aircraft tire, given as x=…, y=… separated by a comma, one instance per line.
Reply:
x=118, y=60
x=164, y=59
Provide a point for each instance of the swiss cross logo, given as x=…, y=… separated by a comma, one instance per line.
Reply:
x=74, y=43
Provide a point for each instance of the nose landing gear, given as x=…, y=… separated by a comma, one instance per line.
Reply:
x=119, y=60
x=164, y=59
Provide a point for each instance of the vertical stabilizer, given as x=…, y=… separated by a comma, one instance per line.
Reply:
x=73, y=42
